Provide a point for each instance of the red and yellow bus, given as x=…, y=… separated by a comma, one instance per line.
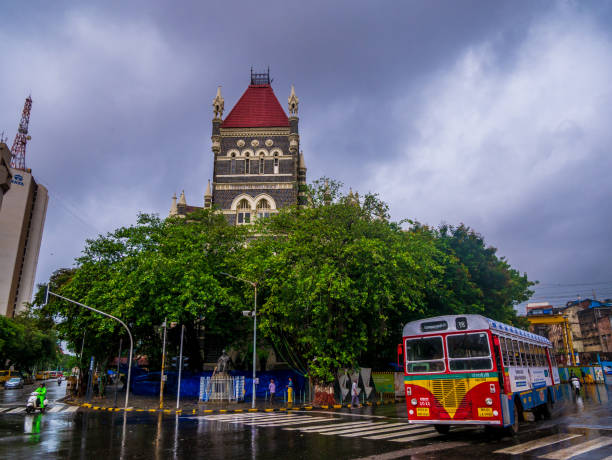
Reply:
x=472, y=370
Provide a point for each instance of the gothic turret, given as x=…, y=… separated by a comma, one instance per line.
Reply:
x=173, y=207
x=207, y=197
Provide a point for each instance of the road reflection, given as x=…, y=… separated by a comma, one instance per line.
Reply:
x=31, y=426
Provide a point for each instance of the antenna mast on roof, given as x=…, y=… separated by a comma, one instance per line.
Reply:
x=260, y=78
x=19, y=144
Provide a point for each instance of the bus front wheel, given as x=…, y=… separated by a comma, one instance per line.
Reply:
x=442, y=429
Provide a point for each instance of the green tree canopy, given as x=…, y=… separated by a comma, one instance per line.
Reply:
x=145, y=273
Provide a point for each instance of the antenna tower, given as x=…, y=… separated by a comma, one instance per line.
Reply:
x=22, y=138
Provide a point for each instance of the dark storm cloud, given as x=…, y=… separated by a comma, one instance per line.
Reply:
x=398, y=97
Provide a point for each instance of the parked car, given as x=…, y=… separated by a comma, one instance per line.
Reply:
x=14, y=382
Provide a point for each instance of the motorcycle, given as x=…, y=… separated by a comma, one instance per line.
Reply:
x=33, y=404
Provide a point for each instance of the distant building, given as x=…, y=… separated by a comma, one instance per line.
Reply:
x=5, y=173
x=22, y=218
x=258, y=166
x=596, y=327
x=590, y=323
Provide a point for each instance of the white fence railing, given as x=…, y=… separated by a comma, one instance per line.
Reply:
x=222, y=388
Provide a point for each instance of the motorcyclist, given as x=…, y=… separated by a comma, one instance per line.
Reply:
x=575, y=381
x=42, y=394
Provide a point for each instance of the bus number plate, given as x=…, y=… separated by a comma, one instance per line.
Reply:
x=485, y=412
x=422, y=411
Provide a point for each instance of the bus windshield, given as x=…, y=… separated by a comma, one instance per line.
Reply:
x=424, y=355
x=469, y=352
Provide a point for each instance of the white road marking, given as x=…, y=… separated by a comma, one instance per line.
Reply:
x=531, y=445
x=71, y=409
x=222, y=418
x=352, y=430
x=16, y=410
x=268, y=420
x=385, y=429
x=579, y=449
x=329, y=426
x=416, y=438
x=393, y=435
x=3, y=409
x=289, y=422
x=55, y=409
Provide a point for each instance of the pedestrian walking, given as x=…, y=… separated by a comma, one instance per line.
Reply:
x=272, y=390
x=355, y=394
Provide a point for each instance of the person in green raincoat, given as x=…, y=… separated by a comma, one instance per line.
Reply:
x=42, y=393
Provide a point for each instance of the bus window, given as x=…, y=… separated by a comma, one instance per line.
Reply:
x=503, y=350
x=424, y=355
x=523, y=354
x=530, y=354
x=541, y=359
x=516, y=353
x=469, y=352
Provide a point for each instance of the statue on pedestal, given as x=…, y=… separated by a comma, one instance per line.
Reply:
x=223, y=363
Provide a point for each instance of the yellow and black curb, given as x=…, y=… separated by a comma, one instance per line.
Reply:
x=335, y=407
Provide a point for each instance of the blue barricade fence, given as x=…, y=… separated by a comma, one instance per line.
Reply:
x=148, y=384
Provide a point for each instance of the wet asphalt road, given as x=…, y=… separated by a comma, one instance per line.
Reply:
x=580, y=429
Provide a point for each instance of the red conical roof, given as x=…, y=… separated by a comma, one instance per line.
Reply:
x=257, y=108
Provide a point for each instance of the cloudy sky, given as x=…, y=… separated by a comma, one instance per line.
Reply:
x=494, y=114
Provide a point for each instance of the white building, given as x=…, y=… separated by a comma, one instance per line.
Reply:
x=22, y=218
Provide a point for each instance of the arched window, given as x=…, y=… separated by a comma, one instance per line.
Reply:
x=261, y=165
x=276, y=163
x=243, y=212
x=263, y=208
x=233, y=164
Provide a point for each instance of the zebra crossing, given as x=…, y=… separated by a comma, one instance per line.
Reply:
x=331, y=426
x=51, y=409
x=581, y=446
x=551, y=447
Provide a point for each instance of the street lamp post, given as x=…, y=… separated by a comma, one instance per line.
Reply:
x=254, y=313
x=127, y=390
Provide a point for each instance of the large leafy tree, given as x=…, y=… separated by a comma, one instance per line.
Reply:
x=339, y=280
x=479, y=280
x=26, y=344
x=145, y=273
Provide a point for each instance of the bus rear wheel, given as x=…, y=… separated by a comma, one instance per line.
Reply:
x=546, y=409
x=442, y=429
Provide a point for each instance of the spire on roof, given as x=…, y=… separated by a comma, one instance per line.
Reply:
x=218, y=104
x=173, y=207
x=302, y=161
x=293, y=103
x=207, y=196
x=207, y=193
x=182, y=199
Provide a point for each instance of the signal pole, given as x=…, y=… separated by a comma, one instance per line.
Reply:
x=161, y=385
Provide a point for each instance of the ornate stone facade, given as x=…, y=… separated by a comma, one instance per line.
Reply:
x=258, y=166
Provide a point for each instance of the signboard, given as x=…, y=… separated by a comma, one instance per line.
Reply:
x=434, y=326
x=384, y=382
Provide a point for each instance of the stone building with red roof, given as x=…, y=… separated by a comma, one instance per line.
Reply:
x=258, y=166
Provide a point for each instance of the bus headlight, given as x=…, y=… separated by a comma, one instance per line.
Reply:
x=489, y=401
x=413, y=401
